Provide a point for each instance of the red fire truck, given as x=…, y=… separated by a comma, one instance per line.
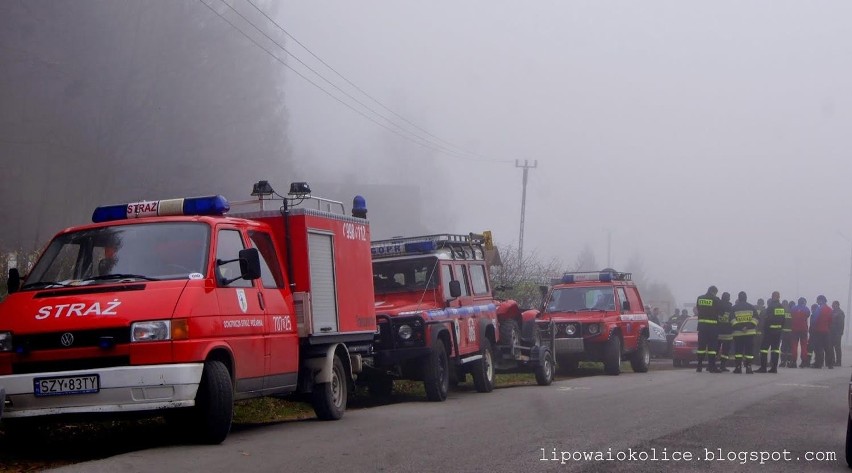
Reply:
x=597, y=316
x=437, y=319
x=177, y=307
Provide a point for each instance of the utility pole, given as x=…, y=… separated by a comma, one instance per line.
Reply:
x=526, y=167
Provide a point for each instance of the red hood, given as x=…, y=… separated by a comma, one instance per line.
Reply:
x=393, y=304
x=688, y=337
x=89, y=307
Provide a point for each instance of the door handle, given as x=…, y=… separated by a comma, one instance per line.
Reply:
x=260, y=301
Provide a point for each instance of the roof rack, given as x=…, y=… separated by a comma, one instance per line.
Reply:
x=460, y=246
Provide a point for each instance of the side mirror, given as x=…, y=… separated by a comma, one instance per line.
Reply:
x=13, y=284
x=455, y=289
x=625, y=306
x=250, y=263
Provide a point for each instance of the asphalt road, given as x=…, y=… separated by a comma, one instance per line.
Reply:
x=667, y=414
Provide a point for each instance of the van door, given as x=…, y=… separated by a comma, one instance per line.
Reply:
x=240, y=313
x=282, y=344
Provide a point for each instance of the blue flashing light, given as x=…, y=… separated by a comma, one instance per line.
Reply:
x=211, y=205
x=208, y=205
x=359, y=203
x=571, y=278
x=420, y=246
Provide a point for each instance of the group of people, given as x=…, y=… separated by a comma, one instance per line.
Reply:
x=779, y=329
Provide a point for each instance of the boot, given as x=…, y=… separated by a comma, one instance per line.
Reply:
x=739, y=367
x=774, y=368
x=762, y=368
x=722, y=366
x=713, y=368
x=699, y=368
x=748, y=369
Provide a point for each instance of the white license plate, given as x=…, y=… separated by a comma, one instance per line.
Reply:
x=59, y=386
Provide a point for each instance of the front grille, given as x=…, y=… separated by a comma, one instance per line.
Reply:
x=70, y=365
x=81, y=339
x=387, y=339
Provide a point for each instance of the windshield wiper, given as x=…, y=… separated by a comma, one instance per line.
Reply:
x=35, y=284
x=109, y=277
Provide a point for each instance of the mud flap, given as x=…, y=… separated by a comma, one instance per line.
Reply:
x=321, y=367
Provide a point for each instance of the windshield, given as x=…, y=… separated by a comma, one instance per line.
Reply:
x=151, y=250
x=405, y=275
x=575, y=299
x=690, y=325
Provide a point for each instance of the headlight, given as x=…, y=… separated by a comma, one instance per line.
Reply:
x=152, y=331
x=594, y=329
x=570, y=329
x=679, y=343
x=405, y=332
x=5, y=341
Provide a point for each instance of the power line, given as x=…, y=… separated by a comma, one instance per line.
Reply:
x=359, y=89
x=414, y=138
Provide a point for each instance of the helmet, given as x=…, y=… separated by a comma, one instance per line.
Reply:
x=821, y=299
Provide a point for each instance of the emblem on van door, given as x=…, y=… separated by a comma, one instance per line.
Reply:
x=67, y=339
x=241, y=298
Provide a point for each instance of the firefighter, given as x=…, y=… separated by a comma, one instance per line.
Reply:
x=773, y=324
x=820, y=329
x=743, y=324
x=708, y=307
x=800, y=315
x=758, y=335
x=725, y=331
x=838, y=320
x=787, y=335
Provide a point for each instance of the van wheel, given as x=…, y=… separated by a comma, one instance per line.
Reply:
x=437, y=382
x=545, y=370
x=612, y=356
x=640, y=360
x=483, y=368
x=214, y=404
x=329, y=399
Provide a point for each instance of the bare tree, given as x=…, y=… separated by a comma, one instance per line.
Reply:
x=520, y=280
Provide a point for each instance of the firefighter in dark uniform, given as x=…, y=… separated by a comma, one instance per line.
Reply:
x=709, y=308
x=773, y=324
x=725, y=331
x=744, y=325
x=787, y=335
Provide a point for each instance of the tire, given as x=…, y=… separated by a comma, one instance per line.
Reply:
x=380, y=387
x=544, y=372
x=640, y=360
x=510, y=335
x=437, y=382
x=329, y=399
x=483, y=368
x=214, y=404
x=849, y=442
x=612, y=356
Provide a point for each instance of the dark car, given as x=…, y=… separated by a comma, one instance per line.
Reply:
x=685, y=343
x=657, y=342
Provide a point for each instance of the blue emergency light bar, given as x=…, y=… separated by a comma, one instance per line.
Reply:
x=403, y=248
x=602, y=276
x=208, y=205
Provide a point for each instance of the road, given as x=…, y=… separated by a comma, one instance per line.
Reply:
x=668, y=413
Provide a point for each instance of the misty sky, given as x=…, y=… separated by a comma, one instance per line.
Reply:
x=712, y=139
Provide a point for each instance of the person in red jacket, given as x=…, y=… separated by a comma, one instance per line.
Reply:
x=821, y=328
x=799, y=325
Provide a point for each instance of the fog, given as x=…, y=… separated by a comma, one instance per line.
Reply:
x=710, y=140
